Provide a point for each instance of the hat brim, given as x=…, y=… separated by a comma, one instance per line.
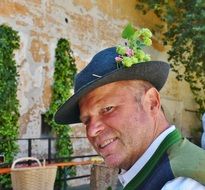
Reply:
x=155, y=72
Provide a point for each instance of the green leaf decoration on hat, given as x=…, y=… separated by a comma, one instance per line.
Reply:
x=132, y=53
x=128, y=31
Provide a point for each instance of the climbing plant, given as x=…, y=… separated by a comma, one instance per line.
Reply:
x=9, y=104
x=65, y=70
x=183, y=29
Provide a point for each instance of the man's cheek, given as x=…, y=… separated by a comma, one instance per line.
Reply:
x=93, y=143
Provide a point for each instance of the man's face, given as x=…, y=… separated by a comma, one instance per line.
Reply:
x=119, y=128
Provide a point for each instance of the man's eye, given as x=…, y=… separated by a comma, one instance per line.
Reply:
x=85, y=121
x=107, y=109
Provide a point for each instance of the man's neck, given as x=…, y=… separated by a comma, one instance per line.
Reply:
x=126, y=176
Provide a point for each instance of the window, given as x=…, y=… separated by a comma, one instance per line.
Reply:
x=46, y=129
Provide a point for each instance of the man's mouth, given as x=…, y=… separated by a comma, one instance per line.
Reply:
x=107, y=142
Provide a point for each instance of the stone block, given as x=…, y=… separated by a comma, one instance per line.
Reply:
x=103, y=178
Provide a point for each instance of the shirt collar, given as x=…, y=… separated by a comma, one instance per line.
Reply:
x=126, y=176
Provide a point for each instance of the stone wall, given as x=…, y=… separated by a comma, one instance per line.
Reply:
x=90, y=26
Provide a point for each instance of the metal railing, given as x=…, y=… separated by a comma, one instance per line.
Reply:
x=49, y=158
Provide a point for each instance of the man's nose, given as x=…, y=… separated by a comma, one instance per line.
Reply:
x=95, y=127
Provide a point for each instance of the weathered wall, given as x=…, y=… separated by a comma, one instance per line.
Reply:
x=90, y=26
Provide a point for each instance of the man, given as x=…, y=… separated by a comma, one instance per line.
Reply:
x=121, y=110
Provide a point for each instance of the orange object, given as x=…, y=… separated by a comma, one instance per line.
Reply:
x=5, y=170
x=60, y=164
x=63, y=164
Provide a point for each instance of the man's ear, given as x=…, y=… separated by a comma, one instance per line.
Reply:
x=152, y=101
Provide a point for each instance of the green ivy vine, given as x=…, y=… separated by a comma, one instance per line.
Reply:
x=9, y=104
x=184, y=26
x=65, y=70
x=64, y=73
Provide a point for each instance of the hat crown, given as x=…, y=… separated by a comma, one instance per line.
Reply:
x=100, y=65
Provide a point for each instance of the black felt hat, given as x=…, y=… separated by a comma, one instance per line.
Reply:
x=103, y=70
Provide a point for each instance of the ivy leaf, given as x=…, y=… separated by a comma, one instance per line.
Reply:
x=128, y=31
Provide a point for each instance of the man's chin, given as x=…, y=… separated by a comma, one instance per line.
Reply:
x=112, y=162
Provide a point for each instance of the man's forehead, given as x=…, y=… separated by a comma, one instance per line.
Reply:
x=108, y=88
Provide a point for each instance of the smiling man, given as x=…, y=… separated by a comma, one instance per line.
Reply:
x=119, y=118
x=121, y=110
